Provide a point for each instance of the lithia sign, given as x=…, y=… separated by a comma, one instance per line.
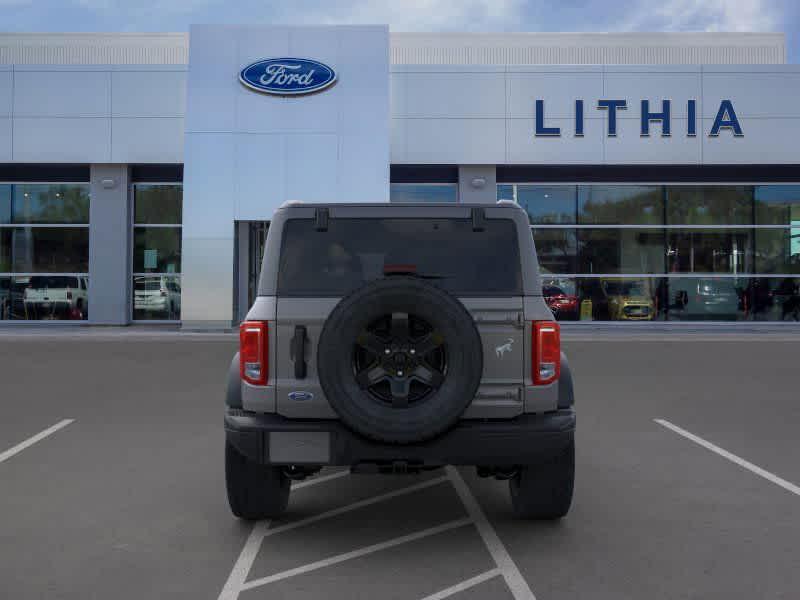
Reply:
x=725, y=120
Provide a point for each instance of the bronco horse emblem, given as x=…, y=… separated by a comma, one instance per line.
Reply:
x=501, y=350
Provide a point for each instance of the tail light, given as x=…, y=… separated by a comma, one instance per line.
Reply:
x=546, y=352
x=253, y=352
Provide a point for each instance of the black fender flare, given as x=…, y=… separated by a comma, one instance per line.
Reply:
x=233, y=391
x=566, y=390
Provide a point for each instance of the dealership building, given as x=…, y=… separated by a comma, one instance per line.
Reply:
x=139, y=172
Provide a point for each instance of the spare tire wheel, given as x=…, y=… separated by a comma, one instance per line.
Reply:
x=399, y=360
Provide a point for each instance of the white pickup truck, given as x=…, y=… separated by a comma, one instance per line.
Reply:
x=56, y=296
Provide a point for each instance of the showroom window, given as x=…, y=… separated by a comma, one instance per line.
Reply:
x=423, y=192
x=157, y=215
x=44, y=251
x=665, y=252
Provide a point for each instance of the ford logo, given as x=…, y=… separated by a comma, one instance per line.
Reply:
x=287, y=76
x=300, y=396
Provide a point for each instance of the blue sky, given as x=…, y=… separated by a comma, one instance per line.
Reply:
x=414, y=15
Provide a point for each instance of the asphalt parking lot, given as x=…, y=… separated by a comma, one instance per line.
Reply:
x=111, y=484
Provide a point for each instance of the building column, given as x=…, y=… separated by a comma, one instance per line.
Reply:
x=477, y=184
x=109, y=245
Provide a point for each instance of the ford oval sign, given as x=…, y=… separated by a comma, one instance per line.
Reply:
x=287, y=76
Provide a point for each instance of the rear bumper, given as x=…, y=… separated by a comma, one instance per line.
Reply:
x=525, y=440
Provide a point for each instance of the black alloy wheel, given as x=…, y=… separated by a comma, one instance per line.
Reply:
x=400, y=359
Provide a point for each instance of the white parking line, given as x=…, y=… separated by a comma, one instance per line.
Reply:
x=464, y=585
x=33, y=439
x=247, y=556
x=234, y=586
x=320, y=479
x=355, y=505
x=514, y=580
x=788, y=486
x=411, y=537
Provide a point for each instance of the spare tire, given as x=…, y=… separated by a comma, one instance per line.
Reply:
x=399, y=360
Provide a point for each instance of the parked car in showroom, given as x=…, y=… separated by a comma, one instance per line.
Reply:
x=706, y=299
x=56, y=297
x=627, y=299
x=399, y=339
x=561, y=299
x=156, y=296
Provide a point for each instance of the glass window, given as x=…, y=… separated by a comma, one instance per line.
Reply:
x=46, y=203
x=621, y=298
x=446, y=252
x=44, y=297
x=44, y=249
x=158, y=204
x=5, y=203
x=775, y=299
x=709, y=250
x=505, y=192
x=778, y=250
x=561, y=296
x=157, y=214
x=621, y=251
x=548, y=204
x=777, y=205
x=556, y=249
x=157, y=250
x=620, y=204
x=708, y=299
x=423, y=192
x=44, y=263
x=156, y=297
x=709, y=205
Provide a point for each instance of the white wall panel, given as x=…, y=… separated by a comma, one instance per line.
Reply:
x=558, y=90
x=455, y=141
x=455, y=95
x=5, y=139
x=148, y=93
x=753, y=94
x=398, y=140
x=678, y=87
x=354, y=182
x=209, y=180
x=264, y=154
x=211, y=88
x=6, y=87
x=523, y=147
x=312, y=168
x=765, y=141
x=62, y=93
x=629, y=148
x=79, y=140
x=147, y=140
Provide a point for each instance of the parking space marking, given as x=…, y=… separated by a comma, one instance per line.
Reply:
x=514, y=580
x=788, y=486
x=33, y=439
x=356, y=505
x=320, y=479
x=247, y=556
x=464, y=585
x=326, y=562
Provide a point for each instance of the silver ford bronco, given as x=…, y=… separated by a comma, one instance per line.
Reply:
x=394, y=339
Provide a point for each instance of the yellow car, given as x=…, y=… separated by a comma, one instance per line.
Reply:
x=628, y=299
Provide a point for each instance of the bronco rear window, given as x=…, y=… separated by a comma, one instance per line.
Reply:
x=445, y=252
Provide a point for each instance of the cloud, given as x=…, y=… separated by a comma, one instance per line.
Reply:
x=413, y=15
x=705, y=15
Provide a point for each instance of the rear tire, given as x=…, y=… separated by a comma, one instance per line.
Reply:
x=545, y=491
x=254, y=491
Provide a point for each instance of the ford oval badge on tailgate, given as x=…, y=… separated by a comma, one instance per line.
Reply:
x=300, y=396
x=287, y=76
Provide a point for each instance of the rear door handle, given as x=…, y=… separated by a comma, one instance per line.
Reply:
x=299, y=351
